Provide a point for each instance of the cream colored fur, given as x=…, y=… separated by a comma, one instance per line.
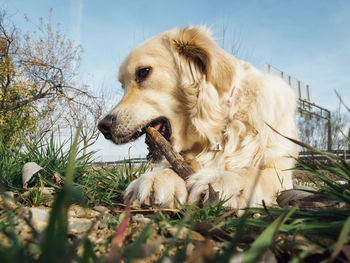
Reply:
x=191, y=84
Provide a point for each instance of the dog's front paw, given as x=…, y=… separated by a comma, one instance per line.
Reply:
x=207, y=186
x=160, y=188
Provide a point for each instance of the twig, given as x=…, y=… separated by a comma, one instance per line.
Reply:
x=267, y=211
x=174, y=158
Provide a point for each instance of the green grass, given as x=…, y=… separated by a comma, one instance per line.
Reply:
x=105, y=185
x=52, y=245
x=292, y=235
x=48, y=153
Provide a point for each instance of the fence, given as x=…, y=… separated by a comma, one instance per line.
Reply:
x=306, y=108
x=133, y=161
x=312, y=159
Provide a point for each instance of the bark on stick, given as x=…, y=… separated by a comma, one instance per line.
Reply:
x=174, y=158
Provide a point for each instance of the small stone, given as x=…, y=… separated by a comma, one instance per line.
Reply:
x=76, y=211
x=6, y=200
x=136, y=204
x=9, y=194
x=81, y=212
x=106, y=221
x=266, y=257
x=79, y=225
x=141, y=219
x=190, y=249
x=38, y=217
x=237, y=258
x=184, y=232
x=107, y=216
x=48, y=191
x=100, y=208
x=256, y=215
x=167, y=260
x=341, y=182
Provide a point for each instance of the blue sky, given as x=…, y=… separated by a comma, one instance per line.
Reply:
x=307, y=39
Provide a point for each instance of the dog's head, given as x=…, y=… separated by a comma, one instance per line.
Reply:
x=172, y=82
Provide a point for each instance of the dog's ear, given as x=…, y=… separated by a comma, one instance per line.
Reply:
x=206, y=74
x=191, y=45
x=194, y=44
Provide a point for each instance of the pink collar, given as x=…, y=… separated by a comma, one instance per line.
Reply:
x=233, y=89
x=228, y=101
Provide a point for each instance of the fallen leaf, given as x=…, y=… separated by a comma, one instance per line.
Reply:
x=58, y=179
x=297, y=242
x=232, y=212
x=212, y=230
x=307, y=200
x=285, y=197
x=28, y=170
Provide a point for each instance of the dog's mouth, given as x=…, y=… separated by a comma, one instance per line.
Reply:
x=162, y=125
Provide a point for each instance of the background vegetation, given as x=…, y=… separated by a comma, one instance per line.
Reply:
x=40, y=89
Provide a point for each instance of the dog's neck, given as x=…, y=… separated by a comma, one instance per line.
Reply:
x=200, y=136
x=217, y=147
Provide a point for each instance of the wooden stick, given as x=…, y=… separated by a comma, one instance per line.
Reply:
x=174, y=158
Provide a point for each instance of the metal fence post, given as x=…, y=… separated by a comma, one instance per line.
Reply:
x=329, y=146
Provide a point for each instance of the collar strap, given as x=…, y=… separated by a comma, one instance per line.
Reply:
x=232, y=91
x=228, y=101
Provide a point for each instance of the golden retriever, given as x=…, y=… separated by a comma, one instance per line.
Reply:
x=214, y=109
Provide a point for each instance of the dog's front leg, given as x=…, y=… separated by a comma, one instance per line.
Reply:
x=161, y=187
x=237, y=187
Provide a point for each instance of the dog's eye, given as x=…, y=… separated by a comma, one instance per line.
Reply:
x=142, y=74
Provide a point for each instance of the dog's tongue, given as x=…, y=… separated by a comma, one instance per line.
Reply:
x=158, y=126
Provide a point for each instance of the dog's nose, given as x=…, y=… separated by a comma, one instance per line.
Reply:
x=105, y=125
